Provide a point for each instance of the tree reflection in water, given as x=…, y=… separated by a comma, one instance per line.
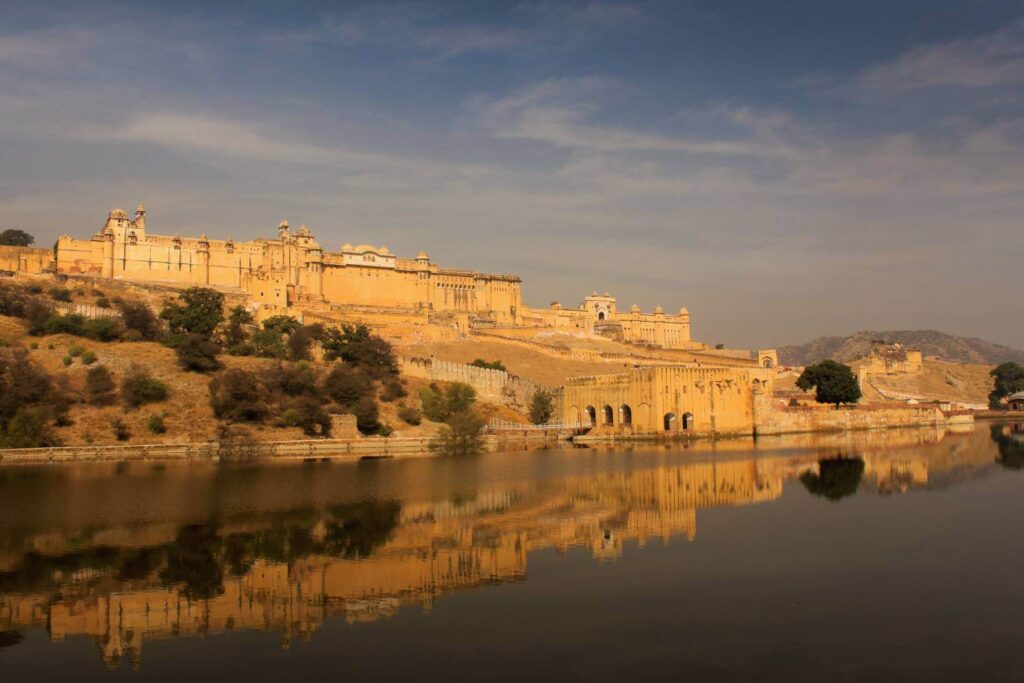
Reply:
x=837, y=477
x=1010, y=445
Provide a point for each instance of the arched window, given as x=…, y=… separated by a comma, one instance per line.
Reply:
x=670, y=422
x=687, y=421
x=609, y=415
x=625, y=415
x=767, y=362
x=592, y=414
x=600, y=315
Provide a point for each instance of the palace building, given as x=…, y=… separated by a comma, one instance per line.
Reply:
x=293, y=270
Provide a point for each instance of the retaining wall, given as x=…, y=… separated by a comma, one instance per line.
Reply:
x=795, y=420
x=495, y=385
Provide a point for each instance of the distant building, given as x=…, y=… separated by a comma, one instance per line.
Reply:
x=1015, y=401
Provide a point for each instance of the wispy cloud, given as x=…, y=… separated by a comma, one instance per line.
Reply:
x=995, y=59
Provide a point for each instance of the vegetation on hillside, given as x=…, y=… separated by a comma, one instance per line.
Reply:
x=15, y=238
x=454, y=406
x=541, y=407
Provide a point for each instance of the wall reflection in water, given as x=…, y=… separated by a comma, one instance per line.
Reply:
x=127, y=555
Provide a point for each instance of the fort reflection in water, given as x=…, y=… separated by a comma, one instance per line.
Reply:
x=126, y=555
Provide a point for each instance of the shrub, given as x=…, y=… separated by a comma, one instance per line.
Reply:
x=76, y=350
x=196, y=353
x=172, y=340
x=102, y=329
x=367, y=415
x=59, y=294
x=24, y=385
x=235, y=396
x=156, y=424
x=34, y=345
x=64, y=324
x=299, y=342
x=103, y=302
x=88, y=357
x=347, y=385
x=269, y=344
x=393, y=390
x=291, y=380
x=308, y=413
x=120, y=429
x=410, y=415
x=492, y=365
x=98, y=292
x=99, y=386
x=385, y=430
x=242, y=349
x=29, y=428
x=37, y=312
x=139, y=388
x=131, y=335
x=137, y=316
x=67, y=360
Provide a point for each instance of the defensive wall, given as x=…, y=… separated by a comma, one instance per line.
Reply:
x=495, y=385
x=793, y=420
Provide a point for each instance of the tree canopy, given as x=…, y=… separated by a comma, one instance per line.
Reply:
x=1008, y=378
x=836, y=478
x=197, y=311
x=16, y=238
x=541, y=407
x=833, y=382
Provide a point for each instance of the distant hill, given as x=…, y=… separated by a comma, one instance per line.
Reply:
x=948, y=347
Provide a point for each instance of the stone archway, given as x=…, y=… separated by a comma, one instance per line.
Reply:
x=592, y=414
x=669, y=422
x=687, y=421
x=607, y=416
x=625, y=415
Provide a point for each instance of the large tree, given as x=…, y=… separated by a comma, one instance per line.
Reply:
x=833, y=382
x=1008, y=378
x=15, y=238
x=197, y=311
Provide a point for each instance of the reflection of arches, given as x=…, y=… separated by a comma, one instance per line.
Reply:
x=670, y=422
x=600, y=315
x=687, y=422
x=767, y=362
x=592, y=414
x=625, y=415
x=608, y=416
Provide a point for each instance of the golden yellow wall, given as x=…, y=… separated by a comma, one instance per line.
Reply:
x=25, y=259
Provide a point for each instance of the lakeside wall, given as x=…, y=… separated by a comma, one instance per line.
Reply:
x=798, y=420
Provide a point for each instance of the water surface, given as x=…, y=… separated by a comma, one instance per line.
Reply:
x=890, y=555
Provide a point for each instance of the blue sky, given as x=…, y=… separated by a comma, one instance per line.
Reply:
x=784, y=169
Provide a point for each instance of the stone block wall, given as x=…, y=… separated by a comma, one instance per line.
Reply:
x=797, y=420
x=493, y=385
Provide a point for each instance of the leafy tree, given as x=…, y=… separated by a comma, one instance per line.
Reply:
x=439, y=406
x=410, y=415
x=836, y=478
x=136, y=315
x=1008, y=378
x=347, y=385
x=238, y=318
x=393, y=390
x=357, y=346
x=308, y=413
x=236, y=396
x=301, y=339
x=367, y=415
x=285, y=324
x=541, y=407
x=16, y=238
x=834, y=382
x=291, y=380
x=197, y=311
x=29, y=401
x=197, y=353
x=461, y=435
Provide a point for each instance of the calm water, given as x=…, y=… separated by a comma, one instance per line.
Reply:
x=894, y=555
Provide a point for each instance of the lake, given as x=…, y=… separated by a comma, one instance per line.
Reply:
x=884, y=555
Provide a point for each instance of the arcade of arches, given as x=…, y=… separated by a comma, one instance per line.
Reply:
x=670, y=399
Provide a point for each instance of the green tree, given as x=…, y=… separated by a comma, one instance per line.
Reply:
x=1008, y=378
x=15, y=238
x=541, y=407
x=99, y=383
x=197, y=353
x=834, y=382
x=197, y=311
x=357, y=346
x=238, y=318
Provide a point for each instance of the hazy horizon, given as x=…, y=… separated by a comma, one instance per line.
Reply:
x=784, y=170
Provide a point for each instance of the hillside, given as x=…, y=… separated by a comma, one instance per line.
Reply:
x=948, y=347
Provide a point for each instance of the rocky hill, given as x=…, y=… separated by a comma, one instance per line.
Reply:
x=948, y=347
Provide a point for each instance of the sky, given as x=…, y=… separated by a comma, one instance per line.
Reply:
x=785, y=170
